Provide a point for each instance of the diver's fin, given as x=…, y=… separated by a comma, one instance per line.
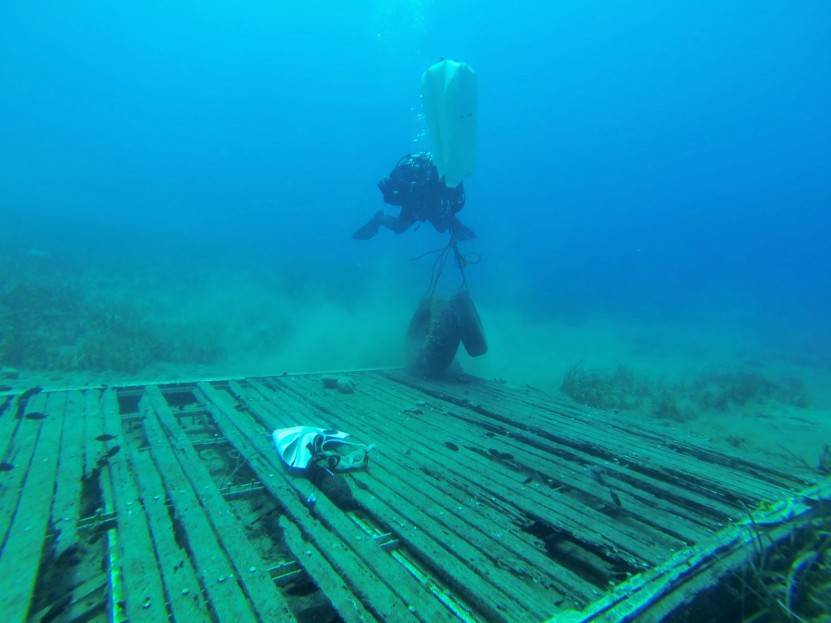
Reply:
x=448, y=90
x=365, y=232
x=461, y=231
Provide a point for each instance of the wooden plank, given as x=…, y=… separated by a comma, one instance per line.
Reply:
x=486, y=589
x=213, y=565
x=707, y=504
x=8, y=425
x=19, y=449
x=644, y=449
x=268, y=602
x=661, y=593
x=413, y=467
x=180, y=579
x=93, y=428
x=324, y=575
x=585, y=525
x=143, y=593
x=495, y=593
x=540, y=453
x=24, y=545
x=381, y=583
x=674, y=440
x=116, y=611
x=647, y=510
x=456, y=514
x=370, y=589
x=67, y=502
x=639, y=451
x=486, y=572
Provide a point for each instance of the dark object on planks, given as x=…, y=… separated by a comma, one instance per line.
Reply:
x=332, y=485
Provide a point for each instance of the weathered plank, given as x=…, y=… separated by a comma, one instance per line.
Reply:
x=324, y=575
x=690, y=513
x=390, y=586
x=250, y=569
x=144, y=597
x=442, y=529
x=465, y=478
x=213, y=565
x=647, y=450
x=183, y=587
x=93, y=428
x=662, y=593
x=115, y=595
x=18, y=452
x=641, y=457
x=586, y=525
x=8, y=425
x=67, y=502
x=25, y=540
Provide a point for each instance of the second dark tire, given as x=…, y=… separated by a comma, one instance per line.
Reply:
x=470, y=326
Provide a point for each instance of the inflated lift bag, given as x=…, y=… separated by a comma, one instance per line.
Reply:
x=448, y=91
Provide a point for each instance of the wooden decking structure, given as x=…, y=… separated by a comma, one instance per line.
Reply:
x=481, y=502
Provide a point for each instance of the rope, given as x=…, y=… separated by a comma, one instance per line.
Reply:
x=462, y=262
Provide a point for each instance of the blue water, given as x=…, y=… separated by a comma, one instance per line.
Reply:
x=653, y=162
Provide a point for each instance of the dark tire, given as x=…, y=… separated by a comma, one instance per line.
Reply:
x=470, y=326
x=432, y=337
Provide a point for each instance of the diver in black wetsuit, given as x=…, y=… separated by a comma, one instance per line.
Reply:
x=414, y=185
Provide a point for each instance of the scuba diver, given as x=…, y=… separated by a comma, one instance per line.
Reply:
x=414, y=185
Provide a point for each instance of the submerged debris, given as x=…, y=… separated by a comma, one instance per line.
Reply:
x=332, y=485
x=343, y=384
